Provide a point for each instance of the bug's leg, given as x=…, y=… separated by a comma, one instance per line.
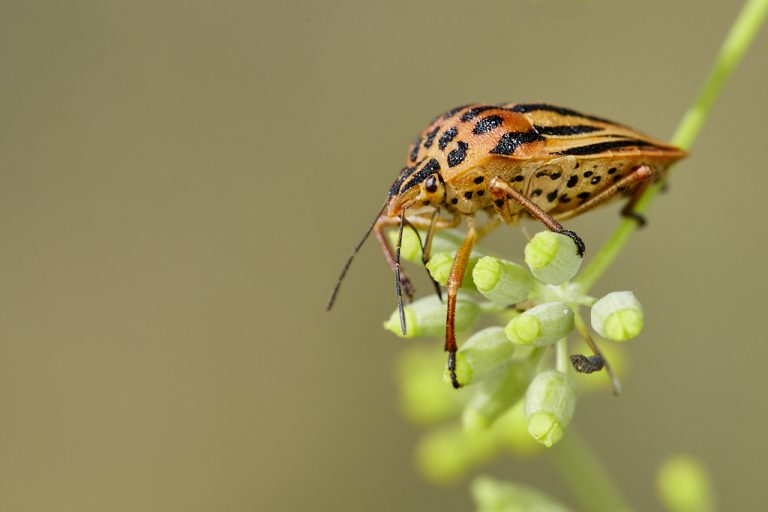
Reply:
x=639, y=175
x=432, y=224
x=629, y=209
x=426, y=250
x=389, y=254
x=454, y=282
x=502, y=192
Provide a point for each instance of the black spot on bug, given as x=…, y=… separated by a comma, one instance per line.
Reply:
x=572, y=181
x=429, y=168
x=499, y=202
x=552, y=196
x=555, y=176
x=458, y=155
x=533, y=107
x=468, y=195
x=602, y=147
x=566, y=130
x=617, y=178
x=474, y=112
x=542, y=173
x=612, y=170
x=415, y=149
x=588, y=174
x=431, y=137
x=454, y=111
x=519, y=177
x=447, y=136
x=577, y=165
x=537, y=192
x=583, y=195
x=487, y=124
x=405, y=173
x=510, y=141
x=565, y=199
x=595, y=180
x=479, y=179
x=480, y=193
x=455, y=200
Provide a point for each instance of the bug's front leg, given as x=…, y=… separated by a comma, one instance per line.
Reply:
x=454, y=282
x=389, y=254
x=431, y=223
x=502, y=192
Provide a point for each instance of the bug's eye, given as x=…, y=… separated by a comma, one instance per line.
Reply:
x=431, y=184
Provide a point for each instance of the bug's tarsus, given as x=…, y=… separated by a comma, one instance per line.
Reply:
x=576, y=238
x=398, y=288
x=346, y=266
x=637, y=217
x=452, y=370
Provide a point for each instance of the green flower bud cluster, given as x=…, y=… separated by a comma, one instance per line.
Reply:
x=512, y=398
x=494, y=496
x=426, y=317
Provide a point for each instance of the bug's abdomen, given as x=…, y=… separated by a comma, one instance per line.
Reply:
x=563, y=185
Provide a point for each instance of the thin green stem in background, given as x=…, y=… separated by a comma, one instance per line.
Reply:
x=579, y=467
x=585, y=477
x=735, y=46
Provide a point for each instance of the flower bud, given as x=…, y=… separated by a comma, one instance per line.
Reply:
x=683, y=485
x=483, y=354
x=502, y=281
x=424, y=398
x=445, y=455
x=494, y=496
x=549, y=405
x=618, y=316
x=496, y=395
x=410, y=246
x=426, y=317
x=553, y=258
x=511, y=430
x=541, y=325
x=440, y=265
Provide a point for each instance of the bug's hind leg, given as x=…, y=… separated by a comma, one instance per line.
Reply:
x=638, y=176
x=502, y=192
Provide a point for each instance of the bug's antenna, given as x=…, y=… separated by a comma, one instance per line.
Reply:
x=351, y=257
x=398, y=290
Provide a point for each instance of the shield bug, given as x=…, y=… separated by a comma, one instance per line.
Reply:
x=511, y=160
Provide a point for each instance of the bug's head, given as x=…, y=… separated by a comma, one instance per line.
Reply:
x=416, y=192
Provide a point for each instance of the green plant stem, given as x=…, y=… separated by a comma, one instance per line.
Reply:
x=585, y=477
x=561, y=356
x=737, y=42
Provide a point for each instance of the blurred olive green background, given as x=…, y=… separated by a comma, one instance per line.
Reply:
x=181, y=182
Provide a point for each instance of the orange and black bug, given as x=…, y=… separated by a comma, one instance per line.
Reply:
x=511, y=160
